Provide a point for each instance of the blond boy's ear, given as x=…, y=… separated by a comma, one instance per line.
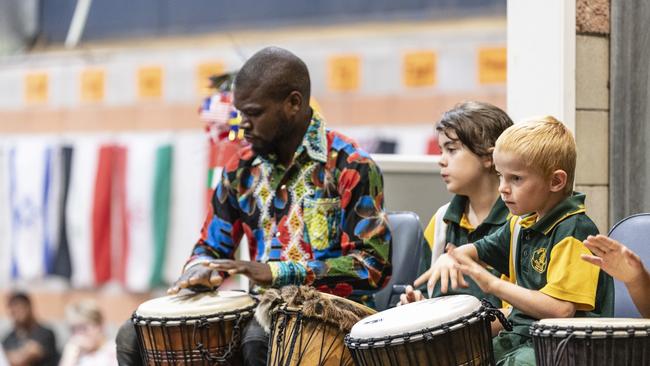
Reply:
x=558, y=180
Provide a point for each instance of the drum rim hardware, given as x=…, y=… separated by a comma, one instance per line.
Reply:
x=589, y=331
x=198, y=322
x=485, y=311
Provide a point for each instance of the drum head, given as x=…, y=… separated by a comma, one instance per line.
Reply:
x=415, y=316
x=596, y=322
x=193, y=305
x=591, y=327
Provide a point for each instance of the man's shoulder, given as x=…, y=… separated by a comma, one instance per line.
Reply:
x=243, y=157
x=342, y=144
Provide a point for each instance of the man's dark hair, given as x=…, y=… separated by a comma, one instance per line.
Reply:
x=477, y=125
x=277, y=70
x=19, y=296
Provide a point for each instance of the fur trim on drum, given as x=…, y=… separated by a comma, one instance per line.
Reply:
x=313, y=304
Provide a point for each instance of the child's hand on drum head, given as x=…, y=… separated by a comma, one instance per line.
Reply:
x=410, y=295
x=445, y=270
x=198, y=275
x=466, y=265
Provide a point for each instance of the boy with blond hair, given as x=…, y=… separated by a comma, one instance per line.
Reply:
x=539, y=249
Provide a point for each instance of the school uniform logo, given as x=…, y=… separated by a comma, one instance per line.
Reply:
x=538, y=260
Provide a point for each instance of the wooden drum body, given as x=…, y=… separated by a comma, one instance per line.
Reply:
x=308, y=327
x=591, y=341
x=197, y=329
x=450, y=330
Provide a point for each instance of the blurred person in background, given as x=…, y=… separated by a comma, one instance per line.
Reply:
x=29, y=343
x=88, y=344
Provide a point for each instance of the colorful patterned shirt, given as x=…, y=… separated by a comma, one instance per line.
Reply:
x=319, y=222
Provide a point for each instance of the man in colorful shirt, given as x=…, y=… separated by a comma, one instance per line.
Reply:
x=308, y=200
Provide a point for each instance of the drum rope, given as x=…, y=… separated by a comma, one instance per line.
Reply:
x=203, y=324
x=560, y=350
x=494, y=313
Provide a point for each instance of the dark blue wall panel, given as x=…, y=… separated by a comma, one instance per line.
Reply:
x=114, y=19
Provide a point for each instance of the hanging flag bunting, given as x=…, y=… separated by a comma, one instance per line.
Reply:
x=188, y=204
x=5, y=216
x=140, y=169
x=79, y=210
x=27, y=190
x=160, y=213
x=62, y=261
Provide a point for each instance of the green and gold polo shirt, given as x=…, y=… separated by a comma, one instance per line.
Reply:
x=546, y=257
x=459, y=231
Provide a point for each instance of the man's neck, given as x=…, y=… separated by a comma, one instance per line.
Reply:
x=287, y=148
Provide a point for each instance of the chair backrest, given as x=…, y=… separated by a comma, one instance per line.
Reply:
x=634, y=232
x=408, y=237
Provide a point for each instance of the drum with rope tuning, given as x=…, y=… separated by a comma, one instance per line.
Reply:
x=449, y=330
x=591, y=341
x=193, y=329
x=308, y=327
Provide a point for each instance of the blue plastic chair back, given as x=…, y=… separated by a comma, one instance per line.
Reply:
x=407, y=235
x=634, y=232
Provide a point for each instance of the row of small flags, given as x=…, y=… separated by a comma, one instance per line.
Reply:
x=100, y=210
x=344, y=72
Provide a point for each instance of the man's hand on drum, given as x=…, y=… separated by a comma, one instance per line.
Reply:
x=466, y=265
x=259, y=273
x=614, y=258
x=198, y=275
x=445, y=270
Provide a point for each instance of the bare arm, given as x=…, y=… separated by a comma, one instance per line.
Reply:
x=624, y=265
x=531, y=302
x=639, y=292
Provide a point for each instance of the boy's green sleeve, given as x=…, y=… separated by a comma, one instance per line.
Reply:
x=494, y=249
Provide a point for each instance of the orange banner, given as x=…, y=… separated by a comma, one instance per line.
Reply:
x=150, y=82
x=419, y=69
x=92, y=85
x=492, y=65
x=36, y=87
x=343, y=73
x=203, y=73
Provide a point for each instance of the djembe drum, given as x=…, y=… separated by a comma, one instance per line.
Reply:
x=450, y=330
x=307, y=327
x=591, y=341
x=192, y=329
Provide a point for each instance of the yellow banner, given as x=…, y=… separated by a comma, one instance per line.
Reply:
x=343, y=73
x=36, y=87
x=203, y=73
x=150, y=82
x=92, y=85
x=419, y=69
x=492, y=65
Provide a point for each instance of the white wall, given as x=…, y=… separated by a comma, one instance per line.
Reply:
x=541, y=41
